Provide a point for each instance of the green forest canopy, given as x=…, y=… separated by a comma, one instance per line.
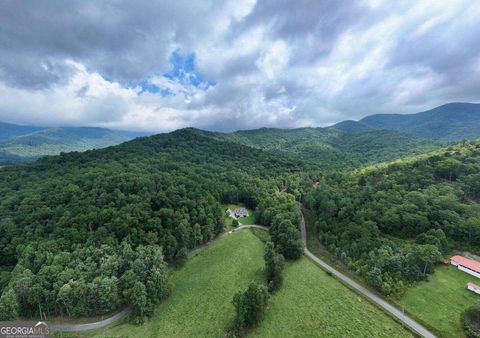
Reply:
x=107, y=221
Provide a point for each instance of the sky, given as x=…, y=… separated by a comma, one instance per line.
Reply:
x=229, y=65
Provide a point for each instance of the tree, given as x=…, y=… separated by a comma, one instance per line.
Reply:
x=429, y=255
x=285, y=236
x=138, y=299
x=274, y=263
x=8, y=305
x=181, y=256
x=250, y=305
x=64, y=295
x=235, y=223
x=471, y=321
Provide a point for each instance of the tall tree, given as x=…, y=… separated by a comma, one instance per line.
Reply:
x=8, y=305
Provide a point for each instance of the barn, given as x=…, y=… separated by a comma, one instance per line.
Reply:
x=466, y=265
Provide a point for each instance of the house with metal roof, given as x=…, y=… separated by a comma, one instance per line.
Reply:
x=466, y=265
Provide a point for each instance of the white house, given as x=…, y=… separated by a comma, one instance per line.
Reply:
x=466, y=265
x=241, y=212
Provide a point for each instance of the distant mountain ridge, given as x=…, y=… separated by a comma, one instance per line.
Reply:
x=8, y=130
x=26, y=143
x=450, y=122
x=375, y=138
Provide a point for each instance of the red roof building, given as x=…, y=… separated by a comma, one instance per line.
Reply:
x=467, y=265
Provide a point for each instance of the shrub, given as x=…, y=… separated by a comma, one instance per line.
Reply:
x=471, y=321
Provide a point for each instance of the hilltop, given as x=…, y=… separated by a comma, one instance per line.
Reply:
x=450, y=122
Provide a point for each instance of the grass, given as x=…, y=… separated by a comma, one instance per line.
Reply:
x=440, y=301
x=250, y=219
x=202, y=290
x=312, y=304
x=261, y=234
x=309, y=304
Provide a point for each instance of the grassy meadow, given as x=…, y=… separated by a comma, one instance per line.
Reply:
x=202, y=290
x=440, y=301
x=310, y=303
x=313, y=304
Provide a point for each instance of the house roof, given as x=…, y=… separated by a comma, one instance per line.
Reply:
x=472, y=285
x=466, y=262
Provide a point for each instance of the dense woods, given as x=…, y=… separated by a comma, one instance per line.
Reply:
x=80, y=233
x=391, y=223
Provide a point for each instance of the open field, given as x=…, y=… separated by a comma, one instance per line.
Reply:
x=310, y=303
x=202, y=290
x=250, y=219
x=440, y=301
x=313, y=304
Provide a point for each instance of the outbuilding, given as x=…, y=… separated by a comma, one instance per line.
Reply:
x=474, y=288
x=466, y=265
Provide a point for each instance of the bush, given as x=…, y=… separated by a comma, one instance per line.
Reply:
x=471, y=321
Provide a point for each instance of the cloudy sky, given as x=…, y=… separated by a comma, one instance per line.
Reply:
x=228, y=65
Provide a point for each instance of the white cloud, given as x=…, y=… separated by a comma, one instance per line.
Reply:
x=274, y=64
x=274, y=59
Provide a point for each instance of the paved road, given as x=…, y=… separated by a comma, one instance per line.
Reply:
x=90, y=326
x=367, y=293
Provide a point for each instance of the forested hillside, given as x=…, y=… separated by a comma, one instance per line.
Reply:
x=450, y=122
x=82, y=233
x=25, y=143
x=331, y=148
x=390, y=223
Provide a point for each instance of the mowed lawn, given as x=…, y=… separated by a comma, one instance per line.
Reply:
x=250, y=219
x=440, y=301
x=202, y=291
x=312, y=304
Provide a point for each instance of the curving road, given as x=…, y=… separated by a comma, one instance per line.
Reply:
x=413, y=325
x=90, y=326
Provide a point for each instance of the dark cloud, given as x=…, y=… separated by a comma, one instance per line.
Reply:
x=124, y=41
x=274, y=63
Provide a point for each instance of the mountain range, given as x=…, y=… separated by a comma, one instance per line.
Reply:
x=97, y=220
x=25, y=143
x=449, y=122
x=374, y=138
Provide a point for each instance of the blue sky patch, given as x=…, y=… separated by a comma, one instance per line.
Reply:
x=183, y=72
